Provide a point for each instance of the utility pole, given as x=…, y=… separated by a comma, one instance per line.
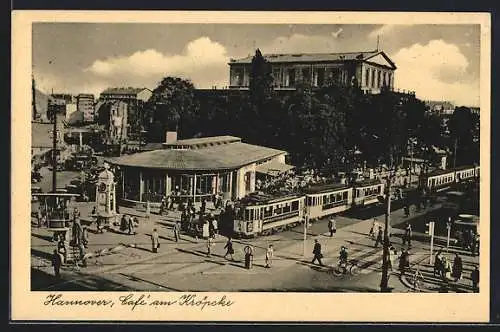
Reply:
x=384, y=283
x=305, y=232
x=33, y=92
x=54, y=150
x=455, y=153
x=448, y=226
x=430, y=231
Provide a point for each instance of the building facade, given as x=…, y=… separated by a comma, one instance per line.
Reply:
x=85, y=104
x=196, y=168
x=371, y=71
x=135, y=99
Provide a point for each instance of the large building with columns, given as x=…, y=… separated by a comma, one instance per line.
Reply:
x=371, y=70
x=197, y=168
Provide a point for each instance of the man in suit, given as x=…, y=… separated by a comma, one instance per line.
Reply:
x=317, y=253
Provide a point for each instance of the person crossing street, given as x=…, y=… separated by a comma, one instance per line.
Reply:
x=332, y=226
x=176, y=232
x=379, y=236
x=155, y=241
x=269, y=256
x=317, y=253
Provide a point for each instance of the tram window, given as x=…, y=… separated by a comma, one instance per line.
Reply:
x=325, y=199
x=338, y=197
x=247, y=215
x=278, y=210
x=295, y=205
x=268, y=211
x=344, y=195
x=309, y=201
x=286, y=208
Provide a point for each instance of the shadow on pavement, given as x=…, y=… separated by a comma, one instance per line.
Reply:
x=41, y=254
x=43, y=237
x=42, y=281
x=137, y=279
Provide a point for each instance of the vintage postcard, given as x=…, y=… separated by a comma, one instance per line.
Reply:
x=250, y=166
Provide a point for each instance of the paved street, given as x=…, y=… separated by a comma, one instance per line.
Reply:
x=122, y=261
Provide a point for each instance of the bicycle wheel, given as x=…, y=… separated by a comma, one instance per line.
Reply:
x=338, y=271
x=355, y=270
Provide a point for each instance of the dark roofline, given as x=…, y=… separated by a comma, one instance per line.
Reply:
x=123, y=90
x=248, y=60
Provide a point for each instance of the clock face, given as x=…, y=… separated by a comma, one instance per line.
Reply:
x=102, y=197
x=102, y=187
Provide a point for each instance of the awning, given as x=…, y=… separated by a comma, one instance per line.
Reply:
x=273, y=168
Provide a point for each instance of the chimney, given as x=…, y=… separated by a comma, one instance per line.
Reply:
x=170, y=137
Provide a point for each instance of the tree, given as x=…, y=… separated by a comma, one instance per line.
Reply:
x=172, y=106
x=261, y=79
x=462, y=125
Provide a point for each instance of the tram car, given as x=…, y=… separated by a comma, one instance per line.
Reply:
x=261, y=214
x=327, y=199
x=441, y=180
x=367, y=192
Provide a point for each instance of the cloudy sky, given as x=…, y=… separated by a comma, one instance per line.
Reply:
x=439, y=62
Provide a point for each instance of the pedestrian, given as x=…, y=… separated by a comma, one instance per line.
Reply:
x=130, y=226
x=407, y=235
x=404, y=262
x=374, y=227
x=155, y=241
x=317, y=252
x=229, y=248
x=474, y=245
x=392, y=253
x=406, y=210
x=203, y=205
x=176, y=232
x=330, y=226
x=269, y=256
x=56, y=263
x=474, y=277
x=379, y=236
x=457, y=268
x=76, y=213
x=446, y=269
x=85, y=236
x=209, y=245
x=162, y=206
x=215, y=226
x=438, y=263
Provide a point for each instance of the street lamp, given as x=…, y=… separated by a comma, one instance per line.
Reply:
x=384, y=282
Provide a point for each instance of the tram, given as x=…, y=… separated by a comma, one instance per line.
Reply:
x=260, y=214
x=327, y=199
x=441, y=180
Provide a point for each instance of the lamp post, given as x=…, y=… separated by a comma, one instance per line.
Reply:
x=384, y=282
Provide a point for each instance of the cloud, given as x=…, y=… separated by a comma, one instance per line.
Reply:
x=299, y=43
x=438, y=71
x=198, y=62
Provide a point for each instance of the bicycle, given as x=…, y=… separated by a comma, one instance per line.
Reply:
x=343, y=268
x=417, y=280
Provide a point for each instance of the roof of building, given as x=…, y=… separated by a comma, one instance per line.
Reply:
x=202, y=142
x=226, y=156
x=315, y=57
x=123, y=91
x=273, y=168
